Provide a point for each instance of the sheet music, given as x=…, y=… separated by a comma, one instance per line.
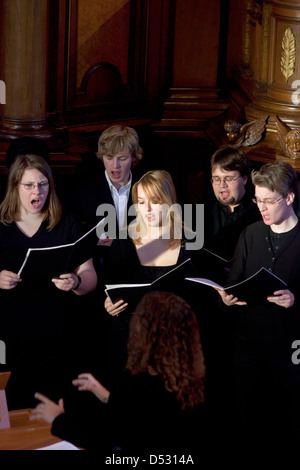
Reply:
x=63, y=445
x=99, y=224
x=253, y=290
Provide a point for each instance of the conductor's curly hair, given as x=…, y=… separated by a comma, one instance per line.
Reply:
x=164, y=340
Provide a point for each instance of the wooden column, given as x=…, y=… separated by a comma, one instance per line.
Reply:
x=23, y=68
x=281, y=35
x=263, y=75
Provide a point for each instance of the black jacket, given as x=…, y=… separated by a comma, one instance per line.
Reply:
x=222, y=229
x=269, y=322
x=140, y=417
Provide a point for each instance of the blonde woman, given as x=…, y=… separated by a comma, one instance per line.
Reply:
x=152, y=246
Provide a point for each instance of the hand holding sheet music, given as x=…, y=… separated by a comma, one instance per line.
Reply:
x=133, y=293
x=49, y=262
x=252, y=290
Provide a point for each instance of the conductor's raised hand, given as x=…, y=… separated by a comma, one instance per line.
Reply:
x=9, y=280
x=229, y=299
x=47, y=410
x=114, y=309
x=87, y=382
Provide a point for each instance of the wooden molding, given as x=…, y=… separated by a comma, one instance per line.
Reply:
x=192, y=105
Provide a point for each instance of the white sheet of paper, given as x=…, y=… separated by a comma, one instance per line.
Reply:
x=63, y=445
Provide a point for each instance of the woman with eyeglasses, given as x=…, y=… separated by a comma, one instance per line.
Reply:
x=33, y=314
x=267, y=381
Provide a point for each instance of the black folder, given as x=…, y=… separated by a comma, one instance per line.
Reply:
x=133, y=293
x=43, y=264
x=253, y=290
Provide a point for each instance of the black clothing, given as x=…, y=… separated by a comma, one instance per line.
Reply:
x=125, y=267
x=30, y=307
x=268, y=321
x=140, y=417
x=91, y=192
x=221, y=233
x=34, y=316
x=89, y=195
x=222, y=229
x=268, y=383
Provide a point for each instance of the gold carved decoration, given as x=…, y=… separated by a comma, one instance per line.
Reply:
x=289, y=139
x=246, y=134
x=288, y=53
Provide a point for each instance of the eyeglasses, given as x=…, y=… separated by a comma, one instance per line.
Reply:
x=228, y=179
x=267, y=202
x=31, y=186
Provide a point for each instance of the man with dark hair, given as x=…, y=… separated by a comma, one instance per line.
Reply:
x=226, y=217
x=233, y=208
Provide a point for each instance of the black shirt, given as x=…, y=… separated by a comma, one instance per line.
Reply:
x=222, y=228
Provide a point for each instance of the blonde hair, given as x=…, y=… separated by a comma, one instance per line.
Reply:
x=10, y=207
x=116, y=139
x=159, y=188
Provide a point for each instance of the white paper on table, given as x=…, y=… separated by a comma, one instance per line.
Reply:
x=62, y=445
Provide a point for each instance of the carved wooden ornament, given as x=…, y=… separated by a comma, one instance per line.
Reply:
x=247, y=134
x=288, y=53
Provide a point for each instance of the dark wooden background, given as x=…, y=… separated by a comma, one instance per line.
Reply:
x=175, y=70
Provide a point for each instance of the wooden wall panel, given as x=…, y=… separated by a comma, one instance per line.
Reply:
x=193, y=97
x=236, y=55
x=102, y=35
x=151, y=64
x=143, y=62
x=196, y=43
x=107, y=70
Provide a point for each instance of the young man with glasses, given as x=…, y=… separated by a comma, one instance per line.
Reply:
x=233, y=208
x=226, y=217
x=267, y=381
